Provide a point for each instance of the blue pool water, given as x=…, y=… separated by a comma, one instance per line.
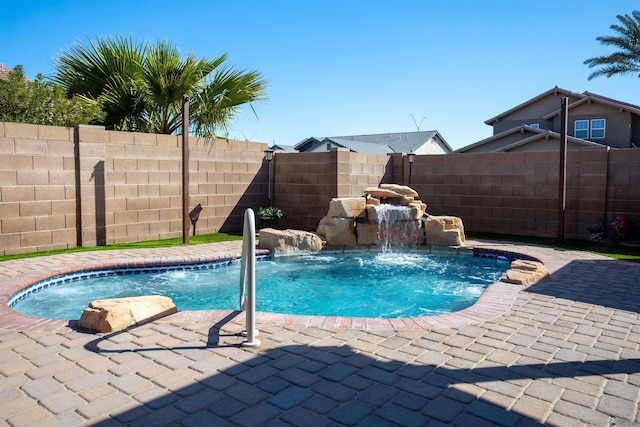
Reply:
x=361, y=285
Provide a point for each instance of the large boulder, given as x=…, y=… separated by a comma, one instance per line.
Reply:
x=393, y=193
x=111, y=315
x=444, y=231
x=418, y=209
x=414, y=212
x=372, y=201
x=337, y=231
x=281, y=242
x=400, y=189
x=347, y=207
x=368, y=233
x=388, y=196
x=525, y=273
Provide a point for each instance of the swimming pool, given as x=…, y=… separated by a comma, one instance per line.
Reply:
x=359, y=284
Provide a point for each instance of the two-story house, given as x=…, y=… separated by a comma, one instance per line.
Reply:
x=593, y=121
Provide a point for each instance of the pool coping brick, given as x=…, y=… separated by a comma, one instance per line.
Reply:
x=565, y=351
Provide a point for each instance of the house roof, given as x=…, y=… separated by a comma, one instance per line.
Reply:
x=361, y=146
x=536, y=134
x=556, y=90
x=550, y=135
x=583, y=98
x=401, y=142
x=592, y=97
x=533, y=134
x=612, y=100
x=283, y=148
x=4, y=71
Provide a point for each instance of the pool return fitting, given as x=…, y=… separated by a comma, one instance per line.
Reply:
x=248, y=278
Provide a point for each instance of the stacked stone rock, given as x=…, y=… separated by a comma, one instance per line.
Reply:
x=117, y=314
x=353, y=221
x=289, y=242
x=525, y=273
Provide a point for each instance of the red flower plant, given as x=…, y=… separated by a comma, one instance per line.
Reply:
x=619, y=226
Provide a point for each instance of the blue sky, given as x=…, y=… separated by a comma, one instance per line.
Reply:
x=345, y=67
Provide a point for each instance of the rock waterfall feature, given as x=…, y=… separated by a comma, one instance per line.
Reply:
x=389, y=215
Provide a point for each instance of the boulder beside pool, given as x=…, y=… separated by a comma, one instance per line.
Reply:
x=444, y=231
x=290, y=242
x=111, y=315
x=525, y=273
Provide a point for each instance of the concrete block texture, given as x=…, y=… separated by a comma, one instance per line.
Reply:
x=135, y=182
x=143, y=171
x=55, y=133
x=21, y=130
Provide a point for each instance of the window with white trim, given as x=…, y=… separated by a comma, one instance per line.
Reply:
x=581, y=129
x=597, y=128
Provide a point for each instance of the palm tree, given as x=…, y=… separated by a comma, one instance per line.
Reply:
x=105, y=71
x=141, y=85
x=627, y=59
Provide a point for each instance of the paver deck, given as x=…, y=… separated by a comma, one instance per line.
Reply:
x=565, y=351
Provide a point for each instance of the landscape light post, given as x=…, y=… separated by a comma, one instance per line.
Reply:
x=268, y=155
x=411, y=157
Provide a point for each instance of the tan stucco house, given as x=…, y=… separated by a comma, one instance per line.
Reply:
x=593, y=122
x=426, y=142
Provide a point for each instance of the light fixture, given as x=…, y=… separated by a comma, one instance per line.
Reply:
x=268, y=155
x=411, y=157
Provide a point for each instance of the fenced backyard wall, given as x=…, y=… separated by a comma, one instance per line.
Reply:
x=60, y=187
x=304, y=183
x=65, y=187
x=623, y=189
x=509, y=193
x=515, y=193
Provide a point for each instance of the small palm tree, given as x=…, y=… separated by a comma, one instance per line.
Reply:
x=141, y=86
x=166, y=77
x=627, y=59
x=105, y=71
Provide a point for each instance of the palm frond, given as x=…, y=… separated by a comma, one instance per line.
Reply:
x=626, y=60
x=217, y=104
x=141, y=85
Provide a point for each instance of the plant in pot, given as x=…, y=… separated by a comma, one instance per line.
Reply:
x=597, y=230
x=269, y=216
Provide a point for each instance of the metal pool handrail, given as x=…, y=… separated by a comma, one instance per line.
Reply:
x=248, y=278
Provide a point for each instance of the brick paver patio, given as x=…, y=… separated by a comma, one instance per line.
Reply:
x=562, y=352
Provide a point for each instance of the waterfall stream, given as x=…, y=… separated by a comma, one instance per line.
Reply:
x=394, y=226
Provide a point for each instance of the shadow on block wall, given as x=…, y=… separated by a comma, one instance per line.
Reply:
x=254, y=197
x=100, y=204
